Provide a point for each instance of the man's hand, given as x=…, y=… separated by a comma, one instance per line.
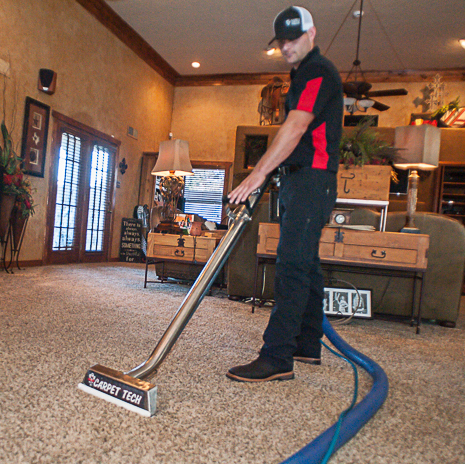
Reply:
x=246, y=187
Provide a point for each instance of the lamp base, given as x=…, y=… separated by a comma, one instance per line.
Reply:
x=410, y=230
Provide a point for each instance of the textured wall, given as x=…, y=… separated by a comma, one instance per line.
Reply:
x=101, y=83
x=208, y=116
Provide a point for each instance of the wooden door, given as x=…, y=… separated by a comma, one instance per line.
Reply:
x=81, y=196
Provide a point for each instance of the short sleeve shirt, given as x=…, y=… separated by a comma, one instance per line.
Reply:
x=316, y=87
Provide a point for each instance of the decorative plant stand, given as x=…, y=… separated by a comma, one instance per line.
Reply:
x=14, y=238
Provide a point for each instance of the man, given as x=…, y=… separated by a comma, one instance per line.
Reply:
x=306, y=148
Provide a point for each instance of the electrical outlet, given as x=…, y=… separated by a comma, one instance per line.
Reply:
x=4, y=68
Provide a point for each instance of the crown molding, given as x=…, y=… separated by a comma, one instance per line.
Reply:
x=121, y=29
x=371, y=76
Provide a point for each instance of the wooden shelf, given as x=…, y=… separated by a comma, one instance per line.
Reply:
x=451, y=197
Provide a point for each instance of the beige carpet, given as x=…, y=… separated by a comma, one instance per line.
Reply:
x=57, y=321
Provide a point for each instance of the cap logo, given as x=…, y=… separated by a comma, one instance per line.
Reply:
x=292, y=22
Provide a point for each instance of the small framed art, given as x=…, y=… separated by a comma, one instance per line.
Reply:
x=35, y=132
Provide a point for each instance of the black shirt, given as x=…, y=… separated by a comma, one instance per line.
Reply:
x=316, y=87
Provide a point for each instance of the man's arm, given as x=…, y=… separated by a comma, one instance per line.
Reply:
x=283, y=145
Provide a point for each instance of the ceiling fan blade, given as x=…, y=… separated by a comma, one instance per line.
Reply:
x=387, y=93
x=380, y=106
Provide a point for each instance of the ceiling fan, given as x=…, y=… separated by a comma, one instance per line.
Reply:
x=358, y=93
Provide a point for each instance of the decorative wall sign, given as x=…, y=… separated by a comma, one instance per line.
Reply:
x=130, y=249
x=35, y=132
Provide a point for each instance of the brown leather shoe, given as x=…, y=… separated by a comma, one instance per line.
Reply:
x=258, y=371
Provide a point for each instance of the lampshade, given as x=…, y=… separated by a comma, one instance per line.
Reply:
x=173, y=159
x=419, y=147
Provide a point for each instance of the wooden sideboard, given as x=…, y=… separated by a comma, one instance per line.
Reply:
x=360, y=251
x=182, y=249
x=347, y=246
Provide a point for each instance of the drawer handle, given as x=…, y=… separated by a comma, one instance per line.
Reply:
x=374, y=253
x=179, y=253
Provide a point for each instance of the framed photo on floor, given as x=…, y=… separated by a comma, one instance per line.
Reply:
x=35, y=133
x=347, y=302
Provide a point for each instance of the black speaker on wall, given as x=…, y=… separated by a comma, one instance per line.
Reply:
x=47, y=81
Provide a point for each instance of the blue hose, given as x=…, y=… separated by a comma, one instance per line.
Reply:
x=358, y=416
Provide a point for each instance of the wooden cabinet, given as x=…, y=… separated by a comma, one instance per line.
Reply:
x=451, y=192
x=356, y=247
x=182, y=248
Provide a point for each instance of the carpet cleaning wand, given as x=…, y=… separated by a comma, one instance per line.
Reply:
x=131, y=390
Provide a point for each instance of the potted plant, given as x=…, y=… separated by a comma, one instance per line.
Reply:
x=366, y=164
x=10, y=178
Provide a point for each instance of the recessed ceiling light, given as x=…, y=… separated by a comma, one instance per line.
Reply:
x=462, y=42
x=196, y=64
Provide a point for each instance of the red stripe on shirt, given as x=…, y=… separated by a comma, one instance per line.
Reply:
x=309, y=94
x=321, y=156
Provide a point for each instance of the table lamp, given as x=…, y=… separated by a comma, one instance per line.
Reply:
x=172, y=165
x=419, y=150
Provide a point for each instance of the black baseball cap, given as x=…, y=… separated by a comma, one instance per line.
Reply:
x=291, y=23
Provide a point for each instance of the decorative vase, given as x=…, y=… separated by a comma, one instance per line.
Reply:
x=7, y=203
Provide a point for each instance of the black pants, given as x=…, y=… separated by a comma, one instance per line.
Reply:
x=306, y=199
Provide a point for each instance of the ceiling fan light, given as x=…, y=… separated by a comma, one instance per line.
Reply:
x=366, y=103
x=349, y=101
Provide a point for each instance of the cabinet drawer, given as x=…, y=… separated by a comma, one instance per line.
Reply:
x=182, y=254
x=392, y=249
x=379, y=254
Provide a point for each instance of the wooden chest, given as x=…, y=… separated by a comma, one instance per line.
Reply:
x=364, y=183
x=356, y=247
x=185, y=248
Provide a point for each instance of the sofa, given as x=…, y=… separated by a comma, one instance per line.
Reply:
x=390, y=295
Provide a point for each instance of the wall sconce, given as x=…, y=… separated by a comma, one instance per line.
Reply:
x=420, y=151
x=47, y=81
x=172, y=165
x=462, y=42
x=123, y=166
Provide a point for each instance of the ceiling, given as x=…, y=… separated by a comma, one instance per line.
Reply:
x=230, y=36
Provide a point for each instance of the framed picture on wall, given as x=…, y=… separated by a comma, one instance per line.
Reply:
x=34, y=141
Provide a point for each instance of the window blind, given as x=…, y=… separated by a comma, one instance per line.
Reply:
x=203, y=193
x=64, y=232
x=99, y=195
